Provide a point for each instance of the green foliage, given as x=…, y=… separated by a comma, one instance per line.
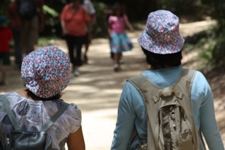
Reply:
x=218, y=46
x=52, y=24
x=218, y=52
x=44, y=41
x=207, y=55
x=100, y=28
x=50, y=11
x=181, y=7
x=139, y=10
x=218, y=7
x=202, y=41
x=212, y=47
x=4, y=7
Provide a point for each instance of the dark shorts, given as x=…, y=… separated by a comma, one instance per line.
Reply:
x=5, y=58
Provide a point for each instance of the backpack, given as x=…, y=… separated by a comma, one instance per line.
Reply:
x=27, y=140
x=170, y=125
x=27, y=9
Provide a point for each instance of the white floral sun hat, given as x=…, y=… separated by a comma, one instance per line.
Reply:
x=161, y=35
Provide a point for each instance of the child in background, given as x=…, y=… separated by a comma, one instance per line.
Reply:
x=107, y=10
x=5, y=38
x=119, y=41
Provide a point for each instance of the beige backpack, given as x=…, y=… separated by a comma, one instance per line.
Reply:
x=170, y=125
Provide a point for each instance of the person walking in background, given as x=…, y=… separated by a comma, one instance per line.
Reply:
x=107, y=9
x=88, y=6
x=162, y=44
x=5, y=38
x=119, y=42
x=75, y=23
x=46, y=73
x=32, y=22
x=15, y=26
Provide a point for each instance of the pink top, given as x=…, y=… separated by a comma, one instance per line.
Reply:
x=117, y=23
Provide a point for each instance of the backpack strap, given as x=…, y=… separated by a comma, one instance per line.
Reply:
x=188, y=74
x=9, y=112
x=55, y=117
x=184, y=80
x=141, y=83
x=45, y=126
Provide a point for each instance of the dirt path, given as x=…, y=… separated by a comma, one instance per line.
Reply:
x=96, y=91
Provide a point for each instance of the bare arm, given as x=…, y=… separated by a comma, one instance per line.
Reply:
x=93, y=19
x=76, y=140
x=63, y=27
x=127, y=22
x=92, y=13
x=109, y=32
x=88, y=25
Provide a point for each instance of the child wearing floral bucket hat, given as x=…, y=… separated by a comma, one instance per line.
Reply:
x=162, y=44
x=46, y=73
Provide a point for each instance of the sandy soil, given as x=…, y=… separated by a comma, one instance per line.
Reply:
x=96, y=91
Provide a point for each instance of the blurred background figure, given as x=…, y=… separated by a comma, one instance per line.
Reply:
x=119, y=42
x=5, y=38
x=15, y=26
x=32, y=21
x=88, y=6
x=75, y=23
x=108, y=4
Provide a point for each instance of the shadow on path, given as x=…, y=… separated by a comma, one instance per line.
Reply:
x=97, y=90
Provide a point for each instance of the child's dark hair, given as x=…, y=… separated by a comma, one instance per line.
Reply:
x=159, y=60
x=117, y=6
x=33, y=96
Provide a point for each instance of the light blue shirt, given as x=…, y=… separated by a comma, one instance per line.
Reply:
x=131, y=109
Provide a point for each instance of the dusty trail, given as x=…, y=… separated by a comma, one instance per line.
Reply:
x=96, y=91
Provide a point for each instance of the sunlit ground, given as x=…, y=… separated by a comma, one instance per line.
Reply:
x=97, y=90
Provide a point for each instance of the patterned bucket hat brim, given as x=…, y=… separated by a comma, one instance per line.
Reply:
x=161, y=34
x=46, y=71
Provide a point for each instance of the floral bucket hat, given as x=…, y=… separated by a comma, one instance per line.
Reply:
x=46, y=71
x=161, y=34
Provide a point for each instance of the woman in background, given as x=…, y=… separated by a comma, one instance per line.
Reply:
x=75, y=23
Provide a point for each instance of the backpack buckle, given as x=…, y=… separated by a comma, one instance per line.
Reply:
x=166, y=92
x=155, y=99
x=179, y=95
